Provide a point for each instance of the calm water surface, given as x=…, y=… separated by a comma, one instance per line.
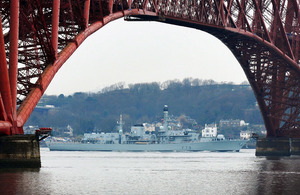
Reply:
x=154, y=173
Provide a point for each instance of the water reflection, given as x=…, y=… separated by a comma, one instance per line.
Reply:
x=155, y=173
x=278, y=175
x=19, y=181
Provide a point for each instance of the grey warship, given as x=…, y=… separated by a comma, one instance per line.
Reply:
x=166, y=140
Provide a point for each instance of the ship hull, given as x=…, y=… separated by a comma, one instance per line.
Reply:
x=221, y=146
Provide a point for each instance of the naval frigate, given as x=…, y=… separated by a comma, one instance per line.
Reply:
x=166, y=140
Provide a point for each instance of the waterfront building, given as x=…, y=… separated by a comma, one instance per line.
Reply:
x=233, y=123
x=245, y=134
x=210, y=130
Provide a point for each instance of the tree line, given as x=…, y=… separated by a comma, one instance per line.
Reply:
x=206, y=101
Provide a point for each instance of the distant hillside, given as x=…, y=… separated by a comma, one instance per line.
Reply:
x=204, y=101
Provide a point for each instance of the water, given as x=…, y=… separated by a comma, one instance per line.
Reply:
x=154, y=173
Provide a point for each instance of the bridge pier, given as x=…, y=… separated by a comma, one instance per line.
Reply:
x=273, y=147
x=295, y=146
x=20, y=151
x=277, y=146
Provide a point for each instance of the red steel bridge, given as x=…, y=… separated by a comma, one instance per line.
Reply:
x=38, y=36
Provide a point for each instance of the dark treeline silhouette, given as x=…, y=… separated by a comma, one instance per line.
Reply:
x=203, y=100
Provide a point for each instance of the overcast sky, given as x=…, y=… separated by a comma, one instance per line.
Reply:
x=139, y=52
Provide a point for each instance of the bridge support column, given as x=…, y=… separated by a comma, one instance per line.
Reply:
x=295, y=146
x=20, y=151
x=273, y=147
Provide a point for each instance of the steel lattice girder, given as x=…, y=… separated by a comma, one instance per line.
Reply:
x=262, y=34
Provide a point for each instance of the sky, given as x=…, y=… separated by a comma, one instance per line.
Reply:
x=142, y=52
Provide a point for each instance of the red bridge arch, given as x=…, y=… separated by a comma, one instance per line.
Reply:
x=38, y=36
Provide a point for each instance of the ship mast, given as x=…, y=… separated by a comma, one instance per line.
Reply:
x=120, y=129
x=166, y=118
x=120, y=124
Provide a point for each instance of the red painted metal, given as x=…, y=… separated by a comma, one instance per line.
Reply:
x=5, y=93
x=3, y=116
x=34, y=96
x=86, y=13
x=13, y=59
x=264, y=36
x=5, y=127
x=55, y=23
x=110, y=6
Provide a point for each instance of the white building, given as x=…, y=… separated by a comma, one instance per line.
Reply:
x=210, y=130
x=233, y=123
x=243, y=123
x=245, y=134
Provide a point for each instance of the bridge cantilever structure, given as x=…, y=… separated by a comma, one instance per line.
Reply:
x=38, y=36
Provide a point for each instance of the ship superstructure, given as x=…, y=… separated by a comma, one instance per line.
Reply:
x=165, y=140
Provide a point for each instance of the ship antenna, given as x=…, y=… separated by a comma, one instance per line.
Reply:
x=121, y=123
